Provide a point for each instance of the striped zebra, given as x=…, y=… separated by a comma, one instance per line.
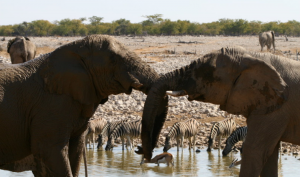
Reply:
x=220, y=129
x=107, y=130
x=130, y=130
x=95, y=127
x=179, y=131
x=238, y=135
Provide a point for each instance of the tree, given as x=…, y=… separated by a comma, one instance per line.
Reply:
x=6, y=30
x=135, y=29
x=41, y=27
x=169, y=27
x=22, y=29
x=153, y=19
x=95, y=20
x=122, y=26
x=183, y=26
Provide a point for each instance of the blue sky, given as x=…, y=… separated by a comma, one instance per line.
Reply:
x=17, y=11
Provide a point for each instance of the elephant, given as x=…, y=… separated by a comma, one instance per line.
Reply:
x=262, y=87
x=46, y=103
x=267, y=38
x=21, y=49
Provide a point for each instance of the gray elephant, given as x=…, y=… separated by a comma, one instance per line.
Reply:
x=46, y=103
x=262, y=87
x=21, y=49
x=267, y=38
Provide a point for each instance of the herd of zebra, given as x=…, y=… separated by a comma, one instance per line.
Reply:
x=188, y=129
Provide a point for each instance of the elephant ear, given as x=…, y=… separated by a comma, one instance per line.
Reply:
x=259, y=89
x=66, y=73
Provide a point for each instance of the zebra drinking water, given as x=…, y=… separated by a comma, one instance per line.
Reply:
x=130, y=130
x=95, y=127
x=238, y=135
x=107, y=130
x=220, y=129
x=179, y=131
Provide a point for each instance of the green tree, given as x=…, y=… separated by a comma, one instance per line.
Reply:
x=183, y=26
x=122, y=26
x=135, y=29
x=41, y=27
x=6, y=30
x=169, y=27
x=22, y=29
x=95, y=20
x=153, y=19
x=253, y=28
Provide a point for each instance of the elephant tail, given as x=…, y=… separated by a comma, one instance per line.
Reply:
x=273, y=39
x=24, y=48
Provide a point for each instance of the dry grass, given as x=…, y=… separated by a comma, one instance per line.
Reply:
x=43, y=50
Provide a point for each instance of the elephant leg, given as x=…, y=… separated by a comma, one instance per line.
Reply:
x=55, y=159
x=259, y=146
x=270, y=168
x=42, y=171
x=76, y=146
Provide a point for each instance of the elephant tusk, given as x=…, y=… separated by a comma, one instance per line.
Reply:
x=176, y=93
x=136, y=85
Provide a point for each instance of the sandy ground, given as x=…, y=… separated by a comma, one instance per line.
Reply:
x=166, y=53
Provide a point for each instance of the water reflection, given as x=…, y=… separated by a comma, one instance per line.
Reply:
x=186, y=163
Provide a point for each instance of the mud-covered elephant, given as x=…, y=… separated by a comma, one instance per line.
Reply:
x=262, y=87
x=45, y=103
x=267, y=38
x=21, y=49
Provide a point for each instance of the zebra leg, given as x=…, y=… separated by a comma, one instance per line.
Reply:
x=194, y=141
x=190, y=143
x=93, y=140
x=177, y=139
x=123, y=143
x=129, y=143
x=182, y=143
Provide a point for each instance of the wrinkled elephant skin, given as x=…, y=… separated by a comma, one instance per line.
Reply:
x=45, y=103
x=262, y=87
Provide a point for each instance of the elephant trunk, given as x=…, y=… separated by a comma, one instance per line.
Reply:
x=143, y=74
x=155, y=111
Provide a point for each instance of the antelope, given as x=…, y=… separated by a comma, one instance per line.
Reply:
x=235, y=162
x=160, y=158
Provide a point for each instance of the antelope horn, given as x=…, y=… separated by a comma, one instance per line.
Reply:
x=176, y=93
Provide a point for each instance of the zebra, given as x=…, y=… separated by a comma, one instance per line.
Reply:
x=130, y=130
x=220, y=129
x=179, y=131
x=106, y=131
x=95, y=127
x=238, y=135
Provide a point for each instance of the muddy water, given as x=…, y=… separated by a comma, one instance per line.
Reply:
x=187, y=163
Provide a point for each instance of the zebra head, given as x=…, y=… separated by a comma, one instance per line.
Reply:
x=228, y=148
x=100, y=141
x=110, y=144
x=167, y=144
x=210, y=144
